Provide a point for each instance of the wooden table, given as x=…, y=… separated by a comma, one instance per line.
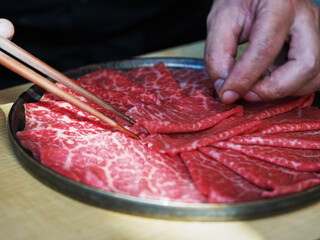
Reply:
x=31, y=210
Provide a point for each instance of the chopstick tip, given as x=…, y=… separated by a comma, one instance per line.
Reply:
x=126, y=131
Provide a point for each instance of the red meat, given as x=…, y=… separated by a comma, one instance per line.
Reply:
x=279, y=180
x=159, y=80
x=303, y=140
x=177, y=143
x=113, y=162
x=298, y=128
x=119, y=100
x=111, y=80
x=191, y=80
x=264, y=110
x=176, y=114
x=188, y=114
x=298, y=159
x=296, y=120
x=216, y=181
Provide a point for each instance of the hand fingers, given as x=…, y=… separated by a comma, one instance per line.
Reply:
x=267, y=37
x=6, y=28
x=224, y=25
x=300, y=75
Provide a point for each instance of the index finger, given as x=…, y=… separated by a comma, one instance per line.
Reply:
x=267, y=36
x=222, y=39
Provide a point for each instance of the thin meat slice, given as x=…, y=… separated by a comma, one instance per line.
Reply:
x=112, y=80
x=312, y=135
x=159, y=80
x=188, y=114
x=297, y=159
x=173, y=144
x=93, y=78
x=273, y=128
x=279, y=180
x=38, y=138
x=304, y=140
x=121, y=101
x=295, y=120
x=219, y=183
x=64, y=114
x=191, y=80
x=113, y=162
x=298, y=128
x=258, y=110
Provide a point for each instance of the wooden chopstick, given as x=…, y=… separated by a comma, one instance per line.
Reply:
x=46, y=84
x=41, y=66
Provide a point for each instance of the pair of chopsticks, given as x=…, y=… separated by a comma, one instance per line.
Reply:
x=49, y=86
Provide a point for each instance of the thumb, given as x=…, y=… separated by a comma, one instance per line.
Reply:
x=6, y=28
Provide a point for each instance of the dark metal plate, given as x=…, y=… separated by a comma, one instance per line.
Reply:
x=138, y=206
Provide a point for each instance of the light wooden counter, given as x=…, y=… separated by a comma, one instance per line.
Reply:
x=31, y=210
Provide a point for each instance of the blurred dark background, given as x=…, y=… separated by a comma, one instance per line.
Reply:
x=70, y=34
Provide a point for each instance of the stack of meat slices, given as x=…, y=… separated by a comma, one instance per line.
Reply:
x=193, y=148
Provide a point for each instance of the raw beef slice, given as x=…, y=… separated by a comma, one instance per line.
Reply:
x=191, y=80
x=303, y=140
x=44, y=114
x=111, y=80
x=298, y=128
x=173, y=144
x=216, y=181
x=113, y=162
x=279, y=180
x=295, y=120
x=188, y=114
x=262, y=110
x=159, y=80
x=119, y=100
x=297, y=159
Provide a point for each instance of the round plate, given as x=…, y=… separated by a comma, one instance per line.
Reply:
x=134, y=205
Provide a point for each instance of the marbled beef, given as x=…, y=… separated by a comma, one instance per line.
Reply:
x=192, y=146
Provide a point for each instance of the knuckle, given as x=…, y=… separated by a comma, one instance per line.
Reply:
x=264, y=47
x=310, y=65
x=220, y=10
x=237, y=84
x=274, y=93
x=271, y=91
x=279, y=92
x=241, y=86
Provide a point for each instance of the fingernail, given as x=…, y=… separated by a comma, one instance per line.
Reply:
x=218, y=84
x=6, y=29
x=230, y=96
x=252, y=97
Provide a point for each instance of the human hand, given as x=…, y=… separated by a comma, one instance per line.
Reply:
x=284, y=38
x=6, y=28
